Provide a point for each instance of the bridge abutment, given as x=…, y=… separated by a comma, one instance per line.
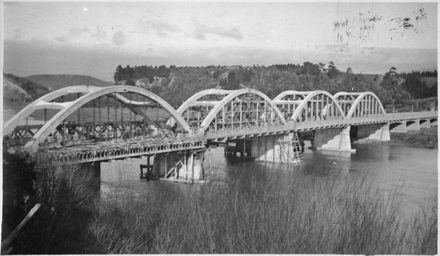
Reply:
x=333, y=139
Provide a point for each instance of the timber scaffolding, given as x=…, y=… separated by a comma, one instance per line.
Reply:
x=116, y=150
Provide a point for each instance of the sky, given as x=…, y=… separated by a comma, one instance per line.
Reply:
x=92, y=38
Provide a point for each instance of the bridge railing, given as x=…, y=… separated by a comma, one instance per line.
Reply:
x=318, y=124
x=109, y=151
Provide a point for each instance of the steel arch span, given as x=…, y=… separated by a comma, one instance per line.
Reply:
x=303, y=106
x=223, y=110
x=124, y=101
x=359, y=104
x=195, y=108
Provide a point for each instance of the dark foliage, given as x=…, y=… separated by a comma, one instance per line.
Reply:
x=34, y=89
x=176, y=84
x=66, y=196
x=18, y=189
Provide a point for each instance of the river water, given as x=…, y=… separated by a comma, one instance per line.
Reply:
x=386, y=166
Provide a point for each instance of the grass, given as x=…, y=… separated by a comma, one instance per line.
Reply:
x=265, y=215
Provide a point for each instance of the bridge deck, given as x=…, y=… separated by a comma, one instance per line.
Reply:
x=119, y=149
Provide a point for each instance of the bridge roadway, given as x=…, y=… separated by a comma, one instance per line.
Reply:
x=139, y=146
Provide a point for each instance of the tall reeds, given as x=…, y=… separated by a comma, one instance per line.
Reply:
x=269, y=215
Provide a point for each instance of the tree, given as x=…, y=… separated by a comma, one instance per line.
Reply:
x=332, y=70
x=118, y=74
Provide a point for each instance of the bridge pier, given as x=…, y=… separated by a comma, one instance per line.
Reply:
x=333, y=139
x=426, y=123
x=398, y=127
x=278, y=149
x=179, y=166
x=238, y=149
x=376, y=132
x=413, y=125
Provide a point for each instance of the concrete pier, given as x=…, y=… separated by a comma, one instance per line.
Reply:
x=333, y=139
x=425, y=124
x=278, y=149
x=179, y=166
x=371, y=132
x=413, y=125
x=398, y=127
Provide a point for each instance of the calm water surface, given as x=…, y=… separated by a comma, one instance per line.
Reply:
x=387, y=166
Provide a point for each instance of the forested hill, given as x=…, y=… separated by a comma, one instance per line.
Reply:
x=31, y=89
x=55, y=82
x=176, y=84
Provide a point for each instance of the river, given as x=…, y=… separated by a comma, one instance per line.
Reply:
x=386, y=166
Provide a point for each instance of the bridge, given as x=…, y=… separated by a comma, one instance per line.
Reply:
x=88, y=125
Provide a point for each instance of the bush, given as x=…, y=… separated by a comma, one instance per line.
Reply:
x=67, y=198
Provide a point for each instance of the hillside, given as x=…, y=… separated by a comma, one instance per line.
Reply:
x=13, y=93
x=33, y=89
x=55, y=82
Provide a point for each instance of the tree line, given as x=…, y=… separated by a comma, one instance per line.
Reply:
x=176, y=84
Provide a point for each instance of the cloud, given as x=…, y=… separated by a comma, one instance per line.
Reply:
x=42, y=57
x=202, y=30
x=119, y=38
x=159, y=27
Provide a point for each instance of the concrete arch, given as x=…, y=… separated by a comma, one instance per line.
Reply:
x=193, y=99
x=361, y=96
x=209, y=118
x=44, y=102
x=308, y=95
x=95, y=93
x=199, y=95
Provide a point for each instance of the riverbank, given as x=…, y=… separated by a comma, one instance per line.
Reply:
x=425, y=138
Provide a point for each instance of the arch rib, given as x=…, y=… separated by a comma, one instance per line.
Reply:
x=233, y=94
x=358, y=100
x=309, y=96
x=42, y=101
x=97, y=92
x=191, y=100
